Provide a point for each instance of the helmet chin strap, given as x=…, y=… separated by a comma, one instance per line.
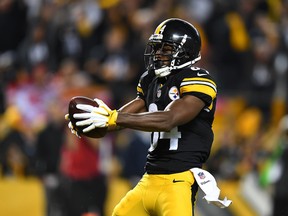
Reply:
x=162, y=72
x=166, y=70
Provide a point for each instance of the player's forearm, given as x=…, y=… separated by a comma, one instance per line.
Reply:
x=135, y=106
x=156, y=121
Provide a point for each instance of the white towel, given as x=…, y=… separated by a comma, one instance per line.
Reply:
x=208, y=185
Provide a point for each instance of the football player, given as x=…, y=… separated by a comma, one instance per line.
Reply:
x=176, y=103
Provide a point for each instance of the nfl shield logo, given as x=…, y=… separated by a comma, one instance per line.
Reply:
x=201, y=175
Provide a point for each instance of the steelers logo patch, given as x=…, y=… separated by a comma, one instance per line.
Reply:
x=173, y=93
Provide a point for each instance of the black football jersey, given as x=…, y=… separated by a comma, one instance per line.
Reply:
x=188, y=145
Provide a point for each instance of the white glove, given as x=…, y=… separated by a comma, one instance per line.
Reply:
x=96, y=117
x=70, y=126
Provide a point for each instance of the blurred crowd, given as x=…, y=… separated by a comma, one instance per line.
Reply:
x=52, y=50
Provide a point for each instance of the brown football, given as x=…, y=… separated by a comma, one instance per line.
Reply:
x=95, y=133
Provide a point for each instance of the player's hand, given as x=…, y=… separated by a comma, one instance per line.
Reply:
x=96, y=117
x=70, y=126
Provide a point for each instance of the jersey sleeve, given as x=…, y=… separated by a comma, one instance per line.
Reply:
x=202, y=87
x=140, y=92
x=141, y=87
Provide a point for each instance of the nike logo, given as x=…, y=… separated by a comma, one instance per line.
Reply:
x=175, y=181
x=201, y=74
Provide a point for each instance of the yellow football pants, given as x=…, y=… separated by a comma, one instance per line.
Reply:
x=158, y=195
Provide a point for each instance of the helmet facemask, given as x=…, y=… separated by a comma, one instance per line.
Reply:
x=162, y=57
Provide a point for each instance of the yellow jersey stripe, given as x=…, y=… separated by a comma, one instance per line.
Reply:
x=199, y=83
x=199, y=79
x=205, y=89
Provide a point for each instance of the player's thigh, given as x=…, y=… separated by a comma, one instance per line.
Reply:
x=176, y=200
x=131, y=204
